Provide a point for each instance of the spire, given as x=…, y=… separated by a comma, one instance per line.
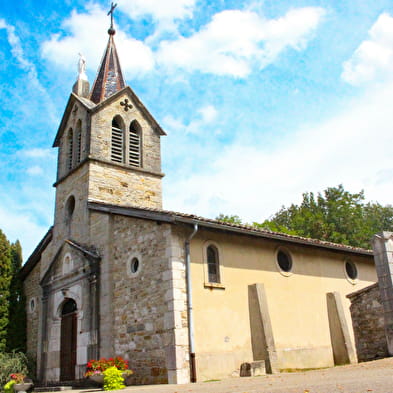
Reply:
x=109, y=78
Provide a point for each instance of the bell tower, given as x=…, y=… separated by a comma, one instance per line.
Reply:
x=109, y=144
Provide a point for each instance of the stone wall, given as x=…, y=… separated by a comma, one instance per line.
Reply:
x=78, y=114
x=149, y=301
x=368, y=323
x=101, y=132
x=32, y=292
x=124, y=186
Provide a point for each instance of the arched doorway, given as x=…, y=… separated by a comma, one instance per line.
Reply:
x=68, y=340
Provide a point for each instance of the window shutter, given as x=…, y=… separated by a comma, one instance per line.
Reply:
x=134, y=153
x=117, y=143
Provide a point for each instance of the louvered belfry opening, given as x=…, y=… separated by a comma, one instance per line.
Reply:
x=78, y=142
x=70, y=148
x=117, y=144
x=134, y=145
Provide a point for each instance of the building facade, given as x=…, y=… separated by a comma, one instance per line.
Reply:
x=181, y=297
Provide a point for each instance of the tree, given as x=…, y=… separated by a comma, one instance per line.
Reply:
x=336, y=216
x=5, y=279
x=233, y=219
x=16, y=332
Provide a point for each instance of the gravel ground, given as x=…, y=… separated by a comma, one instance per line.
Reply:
x=370, y=377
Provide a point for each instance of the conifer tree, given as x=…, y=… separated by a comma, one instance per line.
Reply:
x=5, y=279
x=16, y=332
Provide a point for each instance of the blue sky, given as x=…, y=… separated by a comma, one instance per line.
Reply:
x=261, y=100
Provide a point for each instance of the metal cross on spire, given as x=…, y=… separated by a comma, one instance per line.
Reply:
x=111, y=30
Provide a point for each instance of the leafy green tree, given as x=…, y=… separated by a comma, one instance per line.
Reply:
x=233, y=219
x=16, y=332
x=5, y=279
x=335, y=215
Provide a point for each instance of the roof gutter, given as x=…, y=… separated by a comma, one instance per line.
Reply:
x=273, y=236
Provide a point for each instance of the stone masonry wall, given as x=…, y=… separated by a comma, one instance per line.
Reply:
x=101, y=133
x=145, y=315
x=124, y=186
x=33, y=293
x=368, y=323
x=78, y=113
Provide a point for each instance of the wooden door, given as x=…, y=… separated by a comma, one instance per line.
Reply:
x=68, y=346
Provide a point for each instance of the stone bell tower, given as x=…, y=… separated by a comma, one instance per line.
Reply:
x=109, y=145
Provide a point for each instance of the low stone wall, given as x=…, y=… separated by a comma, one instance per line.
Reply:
x=368, y=323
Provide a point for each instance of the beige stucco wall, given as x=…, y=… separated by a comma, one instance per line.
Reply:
x=296, y=303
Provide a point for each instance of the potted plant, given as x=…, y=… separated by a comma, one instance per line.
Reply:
x=18, y=383
x=95, y=368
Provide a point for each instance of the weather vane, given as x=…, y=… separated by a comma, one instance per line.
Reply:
x=111, y=29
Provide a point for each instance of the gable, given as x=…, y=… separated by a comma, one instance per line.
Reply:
x=115, y=102
x=70, y=262
x=81, y=104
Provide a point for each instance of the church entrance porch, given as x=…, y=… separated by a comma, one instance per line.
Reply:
x=68, y=341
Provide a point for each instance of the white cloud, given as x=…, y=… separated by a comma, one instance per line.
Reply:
x=352, y=148
x=18, y=53
x=235, y=40
x=36, y=153
x=373, y=59
x=209, y=113
x=35, y=170
x=205, y=115
x=26, y=65
x=162, y=11
x=84, y=28
x=231, y=44
x=18, y=225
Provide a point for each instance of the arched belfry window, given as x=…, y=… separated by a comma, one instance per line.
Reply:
x=134, y=144
x=117, y=143
x=213, y=264
x=78, y=141
x=70, y=148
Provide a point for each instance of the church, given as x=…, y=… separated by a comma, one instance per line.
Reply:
x=182, y=298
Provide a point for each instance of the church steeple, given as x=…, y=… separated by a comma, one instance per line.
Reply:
x=109, y=78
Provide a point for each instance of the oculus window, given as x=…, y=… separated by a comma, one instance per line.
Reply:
x=284, y=261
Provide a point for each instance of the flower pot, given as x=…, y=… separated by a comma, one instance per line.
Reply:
x=22, y=387
x=97, y=378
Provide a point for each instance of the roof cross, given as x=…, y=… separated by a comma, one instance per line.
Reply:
x=113, y=6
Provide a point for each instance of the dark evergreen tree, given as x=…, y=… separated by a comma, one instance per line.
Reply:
x=16, y=337
x=5, y=279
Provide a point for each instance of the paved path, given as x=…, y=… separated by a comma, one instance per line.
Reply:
x=370, y=377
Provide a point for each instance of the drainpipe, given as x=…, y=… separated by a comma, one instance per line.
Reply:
x=189, y=306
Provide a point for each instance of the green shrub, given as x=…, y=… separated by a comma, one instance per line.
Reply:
x=11, y=363
x=113, y=379
x=8, y=387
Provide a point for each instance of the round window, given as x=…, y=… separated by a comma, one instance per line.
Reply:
x=134, y=266
x=284, y=261
x=351, y=270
